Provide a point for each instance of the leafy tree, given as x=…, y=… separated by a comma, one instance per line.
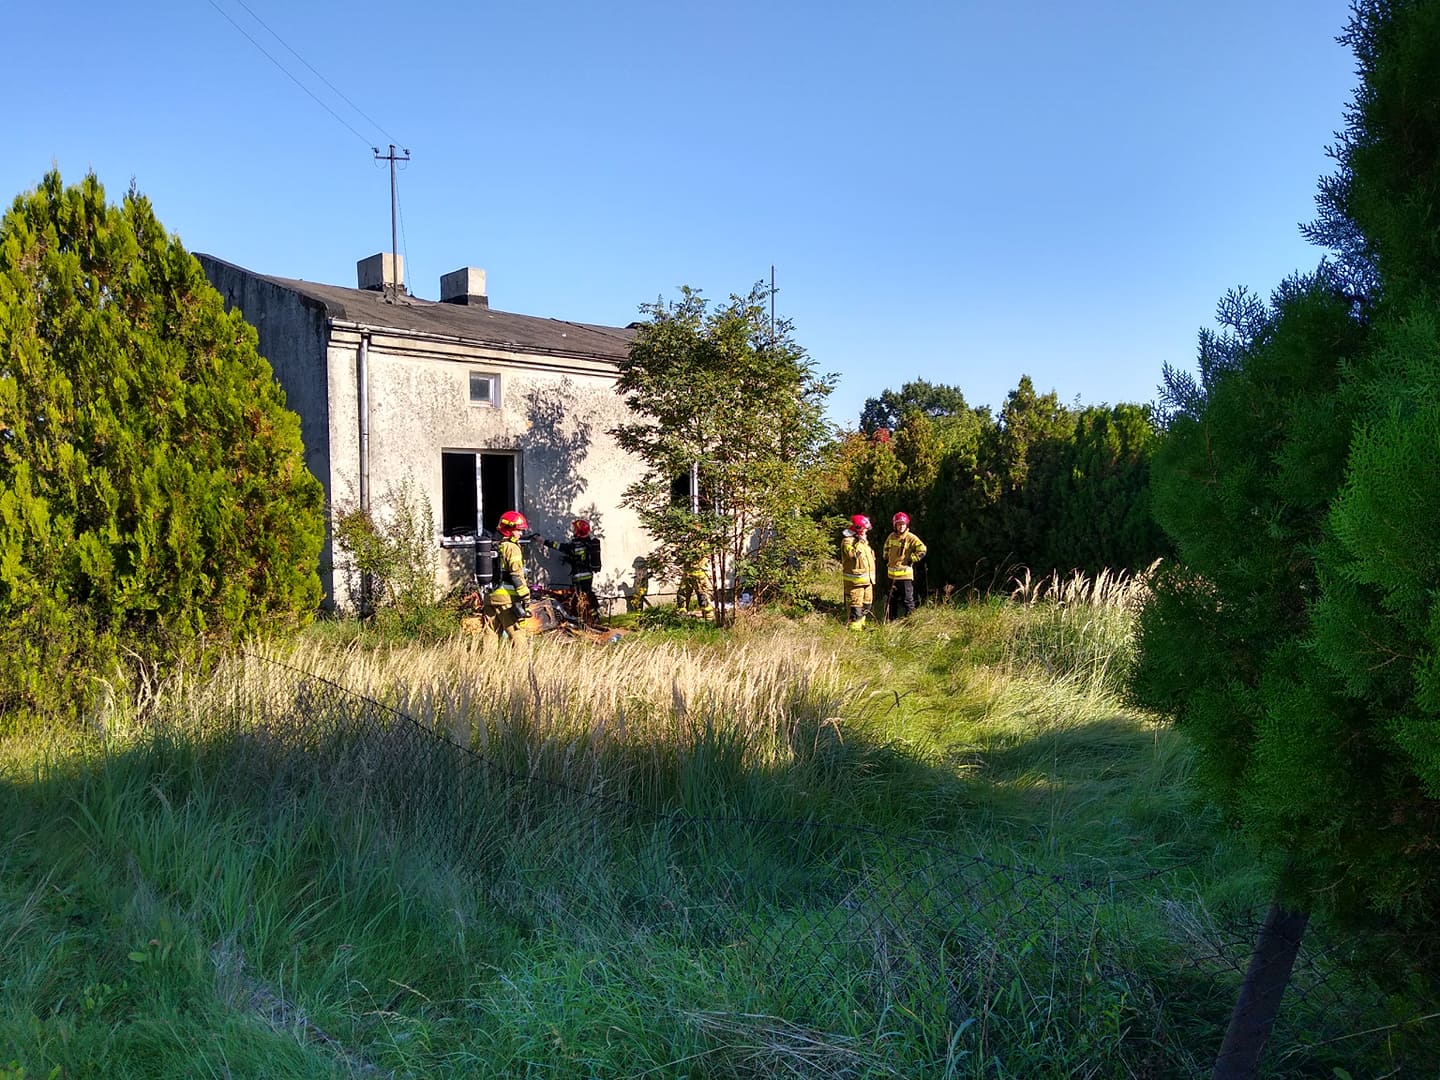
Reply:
x=721, y=395
x=1378, y=210
x=960, y=509
x=882, y=475
x=1377, y=617
x=841, y=459
x=876, y=480
x=1040, y=485
x=1033, y=434
x=1316, y=424
x=391, y=559
x=917, y=450
x=152, y=486
x=1376, y=630
x=1028, y=421
x=1242, y=484
x=934, y=400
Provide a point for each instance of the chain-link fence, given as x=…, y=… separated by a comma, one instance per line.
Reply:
x=956, y=955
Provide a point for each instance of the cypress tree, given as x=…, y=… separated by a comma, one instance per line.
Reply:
x=153, y=493
x=1296, y=635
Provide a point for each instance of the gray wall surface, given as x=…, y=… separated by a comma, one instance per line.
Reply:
x=292, y=331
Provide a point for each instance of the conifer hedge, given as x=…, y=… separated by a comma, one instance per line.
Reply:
x=1296, y=636
x=153, y=493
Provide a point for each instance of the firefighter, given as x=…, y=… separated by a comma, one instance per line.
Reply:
x=694, y=581
x=637, y=600
x=857, y=571
x=508, y=603
x=582, y=555
x=903, y=549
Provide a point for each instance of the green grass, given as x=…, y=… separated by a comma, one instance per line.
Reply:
x=255, y=882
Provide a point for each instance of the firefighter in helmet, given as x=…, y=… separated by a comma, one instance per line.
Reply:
x=582, y=556
x=857, y=571
x=508, y=603
x=903, y=549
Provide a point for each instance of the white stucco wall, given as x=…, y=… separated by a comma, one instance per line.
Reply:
x=554, y=412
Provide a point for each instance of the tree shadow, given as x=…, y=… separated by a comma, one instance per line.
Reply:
x=557, y=439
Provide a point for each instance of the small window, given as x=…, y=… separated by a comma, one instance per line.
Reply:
x=484, y=388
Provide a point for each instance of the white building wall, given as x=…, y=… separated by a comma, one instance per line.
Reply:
x=553, y=412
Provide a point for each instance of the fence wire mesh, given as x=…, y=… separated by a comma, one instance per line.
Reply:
x=957, y=954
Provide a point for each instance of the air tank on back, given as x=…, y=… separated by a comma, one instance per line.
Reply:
x=485, y=559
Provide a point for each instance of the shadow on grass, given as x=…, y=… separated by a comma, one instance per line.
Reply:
x=831, y=893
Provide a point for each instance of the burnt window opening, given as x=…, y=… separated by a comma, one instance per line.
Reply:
x=681, y=490
x=476, y=488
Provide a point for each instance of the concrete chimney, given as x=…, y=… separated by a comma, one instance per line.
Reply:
x=379, y=272
x=464, y=286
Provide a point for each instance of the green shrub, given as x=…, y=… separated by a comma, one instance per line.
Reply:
x=390, y=564
x=153, y=492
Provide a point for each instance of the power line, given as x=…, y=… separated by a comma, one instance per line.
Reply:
x=404, y=239
x=291, y=77
x=373, y=123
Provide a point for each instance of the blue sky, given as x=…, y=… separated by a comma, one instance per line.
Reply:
x=963, y=192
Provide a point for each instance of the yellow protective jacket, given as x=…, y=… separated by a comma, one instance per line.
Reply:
x=857, y=561
x=511, y=570
x=902, y=552
x=696, y=571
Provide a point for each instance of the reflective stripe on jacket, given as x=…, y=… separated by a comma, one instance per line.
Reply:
x=902, y=552
x=857, y=561
x=576, y=554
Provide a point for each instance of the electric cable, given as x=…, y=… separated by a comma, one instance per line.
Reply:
x=338, y=92
x=290, y=76
x=404, y=240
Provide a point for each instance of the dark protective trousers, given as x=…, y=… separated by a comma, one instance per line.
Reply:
x=902, y=597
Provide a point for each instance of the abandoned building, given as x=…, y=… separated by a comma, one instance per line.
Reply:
x=480, y=411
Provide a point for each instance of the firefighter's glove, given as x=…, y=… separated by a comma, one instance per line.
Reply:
x=522, y=608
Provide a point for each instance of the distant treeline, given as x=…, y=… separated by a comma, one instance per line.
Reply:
x=1042, y=485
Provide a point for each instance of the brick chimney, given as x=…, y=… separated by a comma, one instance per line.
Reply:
x=379, y=272
x=464, y=286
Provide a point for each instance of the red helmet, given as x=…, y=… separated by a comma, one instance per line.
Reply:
x=581, y=528
x=900, y=518
x=512, y=521
x=859, y=521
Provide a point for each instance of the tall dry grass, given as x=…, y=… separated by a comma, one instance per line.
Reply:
x=321, y=878
x=634, y=721
x=1078, y=630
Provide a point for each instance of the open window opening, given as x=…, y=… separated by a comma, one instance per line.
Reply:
x=684, y=493
x=476, y=488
